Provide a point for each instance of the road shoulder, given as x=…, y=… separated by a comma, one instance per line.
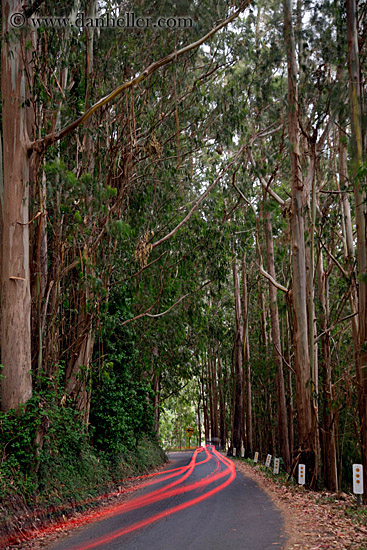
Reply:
x=312, y=520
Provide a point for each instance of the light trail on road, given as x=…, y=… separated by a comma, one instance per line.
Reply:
x=170, y=491
x=222, y=472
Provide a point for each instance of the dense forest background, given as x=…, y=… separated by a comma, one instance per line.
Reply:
x=183, y=228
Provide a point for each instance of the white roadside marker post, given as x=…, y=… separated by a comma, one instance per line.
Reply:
x=256, y=457
x=233, y=451
x=358, y=482
x=276, y=466
x=301, y=474
x=242, y=452
x=268, y=460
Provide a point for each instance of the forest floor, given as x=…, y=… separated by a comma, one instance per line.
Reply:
x=313, y=520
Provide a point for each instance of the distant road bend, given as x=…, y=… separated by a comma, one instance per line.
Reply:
x=198, y=503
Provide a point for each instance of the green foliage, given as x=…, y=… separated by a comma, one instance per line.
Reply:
x=121, y=413
x=121, y=408
x=35, y=438
x=67, y=468
x=358, y=514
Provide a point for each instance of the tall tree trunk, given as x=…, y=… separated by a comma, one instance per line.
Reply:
x=237, y=432
x=222, y=405
x=290, y=409
x=16, y=387
x=213, y=398
x=360, y=209
x=1, y=218
x=78, y=373
x=156, y=383
x=328, y=417
x=205, y=406
x=270, y=442
x=307, y=451
x=49, y=333
x=247, y=366
x=198, y=439
x=277, y=347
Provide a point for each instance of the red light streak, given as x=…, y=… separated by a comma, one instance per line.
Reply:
x=146, y=500
x=137, y=525
x=164, y=493
x=91, y=516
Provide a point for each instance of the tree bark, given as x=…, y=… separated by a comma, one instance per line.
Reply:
x=16, y=387
x=247, y=365
x=277, y=347
x=198, y=439
x=328, y=418
x=205, y=406
x=156, y=383
x=306, y=415
x=290, y=409
x=212, y=360
x=222, y=405
x=237, y=431
x=78, y=373
x=360, y=209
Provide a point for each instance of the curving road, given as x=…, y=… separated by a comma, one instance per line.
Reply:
x=199, y=503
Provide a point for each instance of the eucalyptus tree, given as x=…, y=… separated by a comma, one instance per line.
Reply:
x=73, y=255
x=358, y=177
x=17, y=132
x=307, y=422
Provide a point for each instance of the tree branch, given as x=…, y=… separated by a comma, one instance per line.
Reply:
x=200, y=199
x=264, y=183
x=138, y=272
x=42, y=144
x=284, y=359
x=262, y=270
x=272, y=280
x=149, y=309
x=178, y=301
x=334, y=325
x=336, y=262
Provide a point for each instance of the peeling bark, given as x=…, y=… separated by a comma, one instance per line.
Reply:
x=16, y=387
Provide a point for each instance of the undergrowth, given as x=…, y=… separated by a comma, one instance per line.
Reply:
x=48, y=460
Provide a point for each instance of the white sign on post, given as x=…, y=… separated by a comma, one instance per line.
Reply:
x=268, y=460
x=234, y=451
x=276, y=466
x=301, y=474
x=242, y=452
x=358, y=479
x=256, y=457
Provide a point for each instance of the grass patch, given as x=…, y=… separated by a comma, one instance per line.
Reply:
x=358, y=514
x=280, y=479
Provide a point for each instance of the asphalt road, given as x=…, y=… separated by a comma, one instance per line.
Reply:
x=199, y=503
